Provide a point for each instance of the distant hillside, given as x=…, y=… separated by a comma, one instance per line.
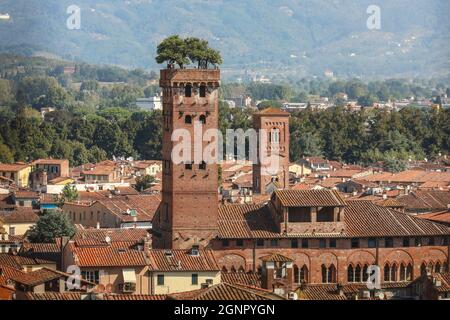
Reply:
x=290, y=37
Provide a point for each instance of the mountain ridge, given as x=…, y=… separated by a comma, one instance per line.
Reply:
x=290, y=38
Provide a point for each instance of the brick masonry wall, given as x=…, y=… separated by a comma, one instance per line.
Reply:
x=248, y=259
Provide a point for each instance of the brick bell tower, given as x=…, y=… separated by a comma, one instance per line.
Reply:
x=188, y=212
x=275, y=122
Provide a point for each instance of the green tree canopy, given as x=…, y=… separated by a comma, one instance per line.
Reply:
x=144, y=182
x=69, y=193
x=51, y=225
x=174, y=50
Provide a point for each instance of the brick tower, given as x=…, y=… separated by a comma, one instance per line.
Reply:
x=188, y=212
x=276, y=125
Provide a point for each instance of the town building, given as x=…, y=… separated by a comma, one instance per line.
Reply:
x=274, y=124
x=152, y=103
x=188, y=212
x=19, y=173
x=54, y=168
x=123, y=211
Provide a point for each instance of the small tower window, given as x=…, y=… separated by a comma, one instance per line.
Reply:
x=188, y=119
x=202, y=119
x=188, y=91
x=188, y=166
x=275, y=135
x=202, y=91
x=202, y=165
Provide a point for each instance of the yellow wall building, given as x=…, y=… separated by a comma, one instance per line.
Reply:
x=19, y=173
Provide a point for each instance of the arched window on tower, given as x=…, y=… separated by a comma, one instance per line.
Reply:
x=350, y=274
x=304, y=274
x=329, y=274
x=332, y=274
x=188, y=119
x=274, y=135
x=188, y=91
x=202, y=91
x=365, y=275
x=430, y=268
x=423, y=269
x=437, y=267
x=402, y=272
x=394, y=273
x=387, y=273
x=358, y=273
x=409, y=272
x=324, y=274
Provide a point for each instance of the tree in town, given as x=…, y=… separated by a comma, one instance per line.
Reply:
x=172, y=51
x=52, y=224
x=144, y=182
x=69, y=193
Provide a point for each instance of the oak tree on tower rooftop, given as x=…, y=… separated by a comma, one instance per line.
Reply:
x=177, y=51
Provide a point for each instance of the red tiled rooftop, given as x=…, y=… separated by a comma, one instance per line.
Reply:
x=12, y=167
x=51, y=161
x=309, y=198
x=115, y=235
x=225, y=291
x=19, y=215
x=182, y=260
x=117, y=254
x=272, y=112
x=251, y=279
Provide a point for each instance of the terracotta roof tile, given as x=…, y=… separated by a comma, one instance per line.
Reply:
x=321, y=292
x=252, y=279
x=53, y=296
x=309, y=198
x=440, y=217
x=246, y=221
x=272, y=112
x=276, y=257
x=36, y=277
x=131, y=297
x=225, y=291
x=145, y=206
x=19, y=215
x=12, y=167
x=445, y=281
x=121, y=235
x=116, y=254
x=182, y=260
x=361, y=218
x=426, y=200
x=365, y=219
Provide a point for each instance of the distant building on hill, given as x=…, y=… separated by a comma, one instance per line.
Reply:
x=152, y=103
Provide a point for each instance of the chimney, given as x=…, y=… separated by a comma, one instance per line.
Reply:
x=340, y=289
x=147, y=244
x=303, y=286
